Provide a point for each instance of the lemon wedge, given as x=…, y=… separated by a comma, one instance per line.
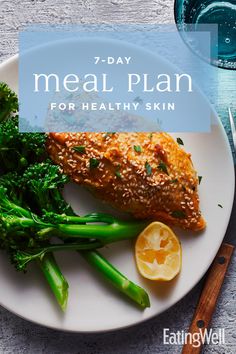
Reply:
x=158, y=253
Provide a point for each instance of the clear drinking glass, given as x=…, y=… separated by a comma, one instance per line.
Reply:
x=222, y=13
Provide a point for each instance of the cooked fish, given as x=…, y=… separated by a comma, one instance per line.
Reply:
x=148, y=175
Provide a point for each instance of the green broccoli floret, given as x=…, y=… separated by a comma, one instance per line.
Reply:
x=8, y=102
x=18, y=225
x=12, y=182
x=18, y=150
x=9, y=129
x=21, y=258
x=44, y=176
x=9, y=141
x=15, y=220
x=13, y=242
x=34, y=143
x=44, y=183
x=6, y=203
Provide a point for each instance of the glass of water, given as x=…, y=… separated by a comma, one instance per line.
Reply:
x=222, y=13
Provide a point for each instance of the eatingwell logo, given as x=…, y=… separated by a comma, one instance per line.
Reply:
x=204, y=336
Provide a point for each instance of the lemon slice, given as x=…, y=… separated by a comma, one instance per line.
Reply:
x=158, y=252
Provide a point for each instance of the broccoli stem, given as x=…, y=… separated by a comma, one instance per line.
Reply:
x=18, y=210
x=117, y=231
x=117, y=279
x=43, y=200
x=90, y=218
x=22, y=258
x=72, y=246
x=23, y=221
x=55, y=279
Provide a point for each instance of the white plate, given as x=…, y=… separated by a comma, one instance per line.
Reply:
x=93, y=305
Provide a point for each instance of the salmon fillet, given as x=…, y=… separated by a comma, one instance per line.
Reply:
x=148, y=175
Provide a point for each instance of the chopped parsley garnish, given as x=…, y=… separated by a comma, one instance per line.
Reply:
x=150, y=135
x=109, y=133
x=148, y=168
x=117, y=172
x=162, y=167
x=138, y=148
x=175, y=180
x=180, y=141
x=93, y=163
x=199, y=179
x=219, y=205
x=178, y=214
x=80, y=149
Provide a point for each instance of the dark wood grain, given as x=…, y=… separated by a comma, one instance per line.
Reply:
x=207, y=302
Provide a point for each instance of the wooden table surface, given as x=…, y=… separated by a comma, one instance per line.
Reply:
x=21, y=337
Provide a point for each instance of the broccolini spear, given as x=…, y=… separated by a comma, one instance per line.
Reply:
x=117, y=279
x=87, y=227
x=15, y=238
x=42, y=193
x=44, y=183
x=22, y=258
x=42, y=186
x=55, y=279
